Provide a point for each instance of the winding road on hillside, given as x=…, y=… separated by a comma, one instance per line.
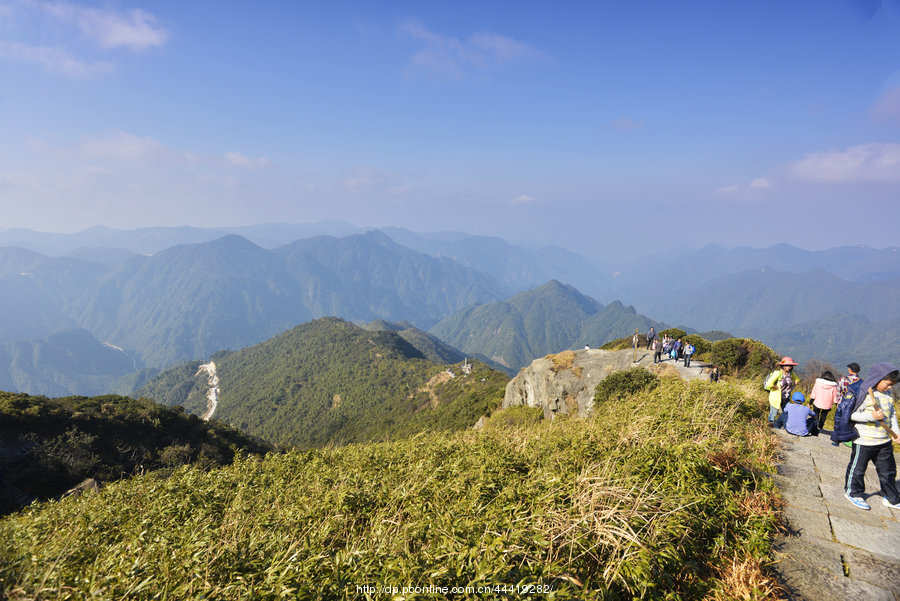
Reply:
x=212, y=392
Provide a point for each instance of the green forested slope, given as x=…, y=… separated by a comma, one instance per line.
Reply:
x=331, y=382
x=49, y=445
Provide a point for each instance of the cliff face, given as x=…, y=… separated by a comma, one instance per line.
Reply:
x=564, y=385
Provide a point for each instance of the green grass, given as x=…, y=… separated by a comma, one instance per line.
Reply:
x=654, y=497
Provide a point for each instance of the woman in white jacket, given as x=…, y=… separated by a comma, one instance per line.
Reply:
x=824, y=395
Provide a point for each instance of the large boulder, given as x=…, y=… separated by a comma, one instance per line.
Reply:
x=563, y=384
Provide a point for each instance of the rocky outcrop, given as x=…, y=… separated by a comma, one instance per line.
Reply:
x=564, y=384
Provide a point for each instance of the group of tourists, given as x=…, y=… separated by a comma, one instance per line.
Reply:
x=675, y=349
x=864, y=420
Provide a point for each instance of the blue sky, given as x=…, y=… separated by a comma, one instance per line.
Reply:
x=612, y=128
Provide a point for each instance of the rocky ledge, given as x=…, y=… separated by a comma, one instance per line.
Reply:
x=563, y=384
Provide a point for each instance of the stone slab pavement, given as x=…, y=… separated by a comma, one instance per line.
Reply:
x=832, y=550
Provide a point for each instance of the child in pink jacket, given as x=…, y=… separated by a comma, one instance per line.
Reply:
x=824, y=395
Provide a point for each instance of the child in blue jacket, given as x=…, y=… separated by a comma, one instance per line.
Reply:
x=797, y=418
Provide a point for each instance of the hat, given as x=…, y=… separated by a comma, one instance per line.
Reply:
x=854, y=367
x=876, y=374
x=786, y=361
x=798, y=397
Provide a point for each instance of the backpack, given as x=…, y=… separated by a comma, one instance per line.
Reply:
x=843, y=427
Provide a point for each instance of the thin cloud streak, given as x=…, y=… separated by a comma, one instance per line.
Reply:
x=55, y=60
x=451, y=56
x=136, y=29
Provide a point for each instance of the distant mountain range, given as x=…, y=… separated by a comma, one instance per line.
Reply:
x=132, y=301
x=332, y=382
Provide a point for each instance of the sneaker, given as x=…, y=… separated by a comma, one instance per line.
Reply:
x=887, y=503
x=858, y=501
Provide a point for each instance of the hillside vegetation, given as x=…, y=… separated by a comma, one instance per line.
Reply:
x=49, y=445
x=332, y=382
x=656, y=496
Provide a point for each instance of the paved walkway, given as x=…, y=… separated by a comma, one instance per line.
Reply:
x=833, y=551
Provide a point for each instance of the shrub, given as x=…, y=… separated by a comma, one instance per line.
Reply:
x=744, y=356
x=563, y=361
x=675, y=333
x=624, y=383
x=701, y=344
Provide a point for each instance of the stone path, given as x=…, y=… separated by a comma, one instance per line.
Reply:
x=833, y=551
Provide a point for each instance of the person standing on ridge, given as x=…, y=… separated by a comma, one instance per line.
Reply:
x=651, y=337
x=781, y=384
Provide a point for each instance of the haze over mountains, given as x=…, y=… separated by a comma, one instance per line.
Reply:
x=89, y=312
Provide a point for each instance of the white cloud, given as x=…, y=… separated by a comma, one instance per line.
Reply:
x=866, y=163
x=136, y=29
x=448, y=55
x=124, y=146
x=750, y=189
x=51, y=46
x=239, y=160
x=53, y=59
x=523, y=199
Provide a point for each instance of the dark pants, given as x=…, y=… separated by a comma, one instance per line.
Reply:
x=657, y=356
x=687, y=360
x=885, y=466
x=821, y=415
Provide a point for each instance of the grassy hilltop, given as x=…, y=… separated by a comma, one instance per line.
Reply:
x=658, y=495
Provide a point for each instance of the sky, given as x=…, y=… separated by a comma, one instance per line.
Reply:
x=610, y=128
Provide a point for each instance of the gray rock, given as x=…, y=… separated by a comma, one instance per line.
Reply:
x=570, y=391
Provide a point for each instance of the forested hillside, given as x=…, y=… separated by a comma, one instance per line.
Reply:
x=49, y=445
x=331, y=382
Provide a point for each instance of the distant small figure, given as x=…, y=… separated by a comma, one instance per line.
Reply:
x=651, y=337
x=714, y=374
x=587, y=347
x=657, y=351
